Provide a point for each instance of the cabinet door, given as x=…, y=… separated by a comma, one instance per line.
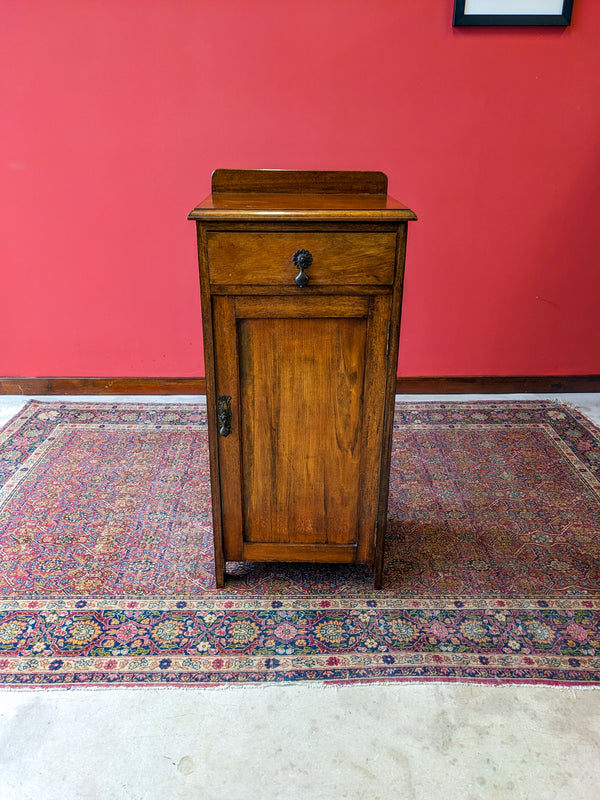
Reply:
x=300, y=470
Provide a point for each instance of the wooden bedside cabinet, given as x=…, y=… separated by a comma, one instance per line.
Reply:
x=301, y=284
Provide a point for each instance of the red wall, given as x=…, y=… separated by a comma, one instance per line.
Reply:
x=115, y=112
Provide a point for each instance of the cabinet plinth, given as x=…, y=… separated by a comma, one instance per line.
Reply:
x=301, y=282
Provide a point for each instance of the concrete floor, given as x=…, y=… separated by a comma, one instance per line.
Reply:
x=309, y=741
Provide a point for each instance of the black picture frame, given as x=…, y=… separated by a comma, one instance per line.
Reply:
x=461, y=18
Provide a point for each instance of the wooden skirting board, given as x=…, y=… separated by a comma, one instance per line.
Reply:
x=479, y=384
x=41, y=386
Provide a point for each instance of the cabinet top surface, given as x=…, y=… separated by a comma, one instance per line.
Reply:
x=299, y=195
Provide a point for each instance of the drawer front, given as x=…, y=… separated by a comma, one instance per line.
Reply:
x=266, y=259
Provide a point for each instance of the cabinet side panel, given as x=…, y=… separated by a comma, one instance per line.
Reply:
x=390, y=403
x=301, y=389
x=207, y=329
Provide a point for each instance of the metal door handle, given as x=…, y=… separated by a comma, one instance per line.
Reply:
x=224, y=415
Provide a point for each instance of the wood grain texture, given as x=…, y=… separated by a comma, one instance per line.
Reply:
x=286, y=208
x=271, y=551
x=389, y=401
x=291, y=289
x=287, y=196
x=266, y=258
x=301, y=305
x=207, y=326
x=299, y=181
x=373, y=409
x=301, y=385
x=227, y=450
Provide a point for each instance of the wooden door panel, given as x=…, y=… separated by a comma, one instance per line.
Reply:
x=300, y=471
x=300, y=390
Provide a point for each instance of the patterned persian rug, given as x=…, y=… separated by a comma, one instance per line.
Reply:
x=492, y=557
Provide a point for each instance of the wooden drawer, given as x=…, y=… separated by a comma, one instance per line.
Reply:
x=265, y=259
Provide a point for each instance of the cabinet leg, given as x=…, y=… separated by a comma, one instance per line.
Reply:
x=378, y=575
x=220, y=575
x=378, y=563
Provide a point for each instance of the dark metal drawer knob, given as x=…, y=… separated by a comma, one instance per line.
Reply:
x=302, y=259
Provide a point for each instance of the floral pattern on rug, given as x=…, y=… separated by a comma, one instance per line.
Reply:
x=492, y=569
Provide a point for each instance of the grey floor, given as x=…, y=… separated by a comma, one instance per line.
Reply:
x=381, y=742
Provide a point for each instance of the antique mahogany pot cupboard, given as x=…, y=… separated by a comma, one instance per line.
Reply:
x=301, y=283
